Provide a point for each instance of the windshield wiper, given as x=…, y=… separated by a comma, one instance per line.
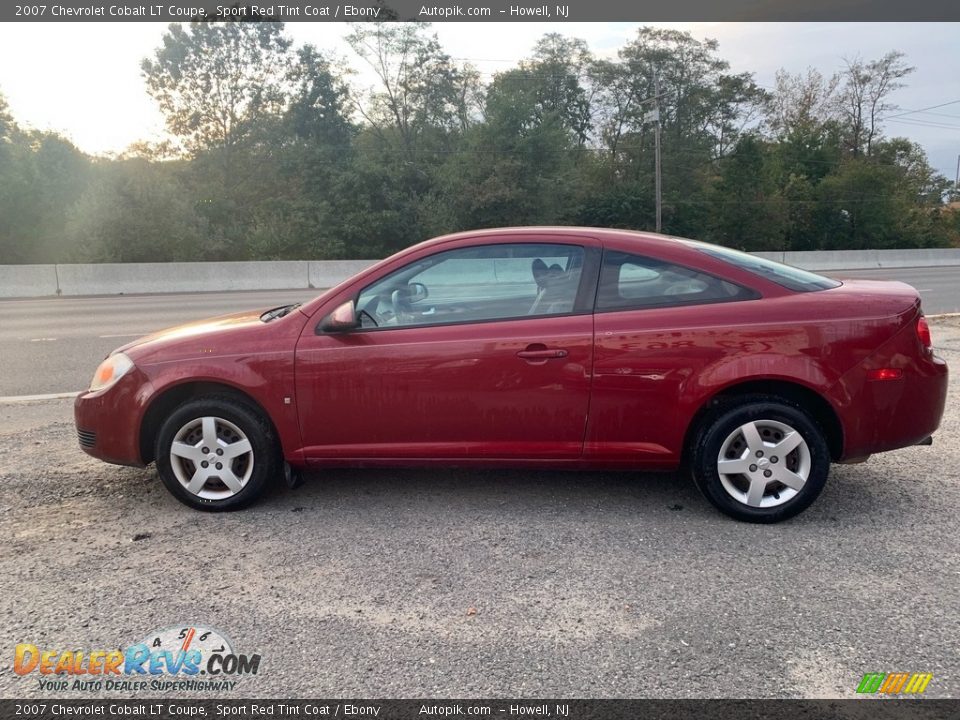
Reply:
x=279, y=312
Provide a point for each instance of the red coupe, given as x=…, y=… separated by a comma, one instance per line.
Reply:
x=535, y=347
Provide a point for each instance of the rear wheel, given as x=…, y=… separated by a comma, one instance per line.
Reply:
x=761, y=460
x=216, y=454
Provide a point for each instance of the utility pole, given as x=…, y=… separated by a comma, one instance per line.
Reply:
x=656, y=94
x=654, y=116
x=956, y=183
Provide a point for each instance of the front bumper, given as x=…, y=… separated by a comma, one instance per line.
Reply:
x=108, y=421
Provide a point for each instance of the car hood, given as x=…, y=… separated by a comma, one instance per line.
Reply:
x=201, y=337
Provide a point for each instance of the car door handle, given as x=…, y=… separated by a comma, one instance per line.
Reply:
x=545, y=354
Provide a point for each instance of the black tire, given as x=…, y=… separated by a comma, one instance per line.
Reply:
x=265, y=457
x=722, y=423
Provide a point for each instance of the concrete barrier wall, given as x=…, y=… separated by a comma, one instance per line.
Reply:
x=820, y=260
x=28, y=280
x=327, y=273
x=128, y=278
x=146, y=278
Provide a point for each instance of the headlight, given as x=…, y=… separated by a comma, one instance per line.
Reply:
x=110, y=370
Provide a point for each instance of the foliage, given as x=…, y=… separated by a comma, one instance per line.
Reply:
x=214, y=81
x=41, y=176
x=135, y=211
x=277, y=152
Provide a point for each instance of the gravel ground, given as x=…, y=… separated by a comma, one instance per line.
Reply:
x=492, y=584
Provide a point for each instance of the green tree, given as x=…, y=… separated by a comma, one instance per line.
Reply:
x=316, y=113
x=526, y=163
x=748, y=211
x=273, y=155
x=419, y=88
x=135, y=211
x=12, y=187
x=6, y=122
x=214, y=80
x=415, y=120
x=703, y=110
x=861, y=207
x=41, y=174
x=865, y=98
x=301, y=205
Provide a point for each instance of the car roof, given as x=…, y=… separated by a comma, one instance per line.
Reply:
x=551, y=229
x=558, y=230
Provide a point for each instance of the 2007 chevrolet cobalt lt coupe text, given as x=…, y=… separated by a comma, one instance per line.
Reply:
x=535, y=347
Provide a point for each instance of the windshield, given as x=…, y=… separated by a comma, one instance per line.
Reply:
x=790, y=277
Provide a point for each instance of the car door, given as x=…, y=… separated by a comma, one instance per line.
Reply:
x=477, y=351
x=658, y=325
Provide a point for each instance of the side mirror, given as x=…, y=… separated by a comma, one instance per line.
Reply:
x=417, y=292
x=342, y=319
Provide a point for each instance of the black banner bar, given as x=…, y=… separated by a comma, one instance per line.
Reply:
x=492, y=11
x=157, y=709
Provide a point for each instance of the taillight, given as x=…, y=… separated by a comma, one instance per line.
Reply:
x=923, y=332
x=885, y=374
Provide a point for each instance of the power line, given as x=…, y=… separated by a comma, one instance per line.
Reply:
x=927, y=123
x=946, y=115
x=911, y=112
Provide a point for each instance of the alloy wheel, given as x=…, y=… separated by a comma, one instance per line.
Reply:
x=764, y=463
x=211, y=458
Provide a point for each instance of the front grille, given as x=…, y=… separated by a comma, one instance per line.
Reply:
x=88, y=438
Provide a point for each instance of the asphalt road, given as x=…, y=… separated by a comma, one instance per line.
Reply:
x=489, y=584
x=939, y=286
x=53, y=345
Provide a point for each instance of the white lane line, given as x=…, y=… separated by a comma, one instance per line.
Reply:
x=122, y=335
x=42, y=339
x=7, y=399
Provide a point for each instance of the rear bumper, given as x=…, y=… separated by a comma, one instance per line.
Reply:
x=108, y=421
x=884, y=415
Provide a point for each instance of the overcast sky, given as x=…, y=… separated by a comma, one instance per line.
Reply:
x=83, y=79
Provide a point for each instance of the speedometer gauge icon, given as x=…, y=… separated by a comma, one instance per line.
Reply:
x=187, y=637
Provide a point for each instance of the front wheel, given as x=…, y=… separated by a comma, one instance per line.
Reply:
x=216, y=454
x=761, y=460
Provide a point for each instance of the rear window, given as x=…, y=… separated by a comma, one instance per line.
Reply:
x=788, y=276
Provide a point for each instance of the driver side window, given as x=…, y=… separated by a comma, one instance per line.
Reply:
x=486, y=282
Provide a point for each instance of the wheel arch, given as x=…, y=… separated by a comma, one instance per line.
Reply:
x=174, y=395
x=809, y=400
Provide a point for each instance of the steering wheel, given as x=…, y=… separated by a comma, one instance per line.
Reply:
x=378, y=311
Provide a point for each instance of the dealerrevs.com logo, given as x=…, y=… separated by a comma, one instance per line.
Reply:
x=188, y=657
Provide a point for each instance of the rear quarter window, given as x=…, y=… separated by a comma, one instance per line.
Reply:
x=633, y=282
x=792, y=278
